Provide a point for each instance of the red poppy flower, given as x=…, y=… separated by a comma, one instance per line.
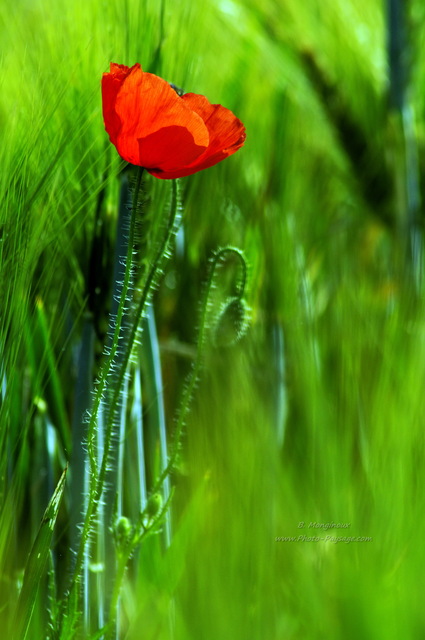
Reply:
x=171, y=136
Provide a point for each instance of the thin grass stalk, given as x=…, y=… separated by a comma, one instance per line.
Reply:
x=155, y=393
x=407, y=165
x=51, y=443
x=119, y=499
x=413, y=196
x=133, y=472
x=277, y=356
x=78, y=485
x=122, y=431
x=4, y=440
x=137, y=419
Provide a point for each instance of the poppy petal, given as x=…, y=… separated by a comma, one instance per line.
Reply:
x=111, y=84
x=168, y=149
x=226, y=132
x=144, y=104
x=224, y=128
x=154, y=127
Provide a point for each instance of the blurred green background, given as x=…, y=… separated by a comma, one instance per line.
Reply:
x=316, y=414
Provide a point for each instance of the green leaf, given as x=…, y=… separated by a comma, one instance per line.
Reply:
x=37, y=562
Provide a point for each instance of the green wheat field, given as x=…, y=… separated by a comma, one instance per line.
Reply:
x=264, y=472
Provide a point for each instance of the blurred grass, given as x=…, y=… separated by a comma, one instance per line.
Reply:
x=313, y=201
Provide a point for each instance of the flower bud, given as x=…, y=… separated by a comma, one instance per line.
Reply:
x=154, y=505
x=122, y=529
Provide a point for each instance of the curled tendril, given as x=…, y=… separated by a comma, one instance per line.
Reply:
x=220, y=257
x=231, y=322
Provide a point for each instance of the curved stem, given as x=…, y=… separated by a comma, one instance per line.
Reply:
x=188, y=391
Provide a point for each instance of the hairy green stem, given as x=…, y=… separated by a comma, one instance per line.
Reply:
x=218, y=257
x=97, y=476
x=119, y=577
x=154, y=269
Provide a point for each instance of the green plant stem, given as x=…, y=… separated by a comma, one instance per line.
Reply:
x=129, y=344
x=112, y=492
x=188, y=391
x=155, y=428
x=123, y=559
x=124, y=554
x=150, y=280
x=97, y=476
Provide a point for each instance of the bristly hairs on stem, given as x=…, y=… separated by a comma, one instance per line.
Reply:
x=149, y=284
x=221, y=256
x=127, y=535
x=127, y=538
x=97, y=475
x=98, y=471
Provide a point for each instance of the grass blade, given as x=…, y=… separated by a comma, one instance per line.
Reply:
x=37, y=562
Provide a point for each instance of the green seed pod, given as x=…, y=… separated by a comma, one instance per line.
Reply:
x=231, y=323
